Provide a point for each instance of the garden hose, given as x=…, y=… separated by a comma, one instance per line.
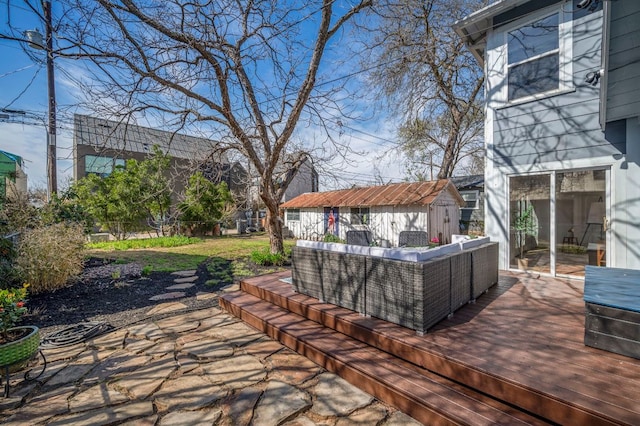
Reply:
x=75, y=334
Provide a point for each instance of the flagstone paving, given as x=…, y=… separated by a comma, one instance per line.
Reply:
x=185, y=368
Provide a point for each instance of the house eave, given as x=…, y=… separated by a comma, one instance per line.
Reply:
x=473, y=28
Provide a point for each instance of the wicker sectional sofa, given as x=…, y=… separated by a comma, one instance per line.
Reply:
x=415, y=288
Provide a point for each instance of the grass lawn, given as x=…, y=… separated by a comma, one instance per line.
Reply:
x=236, y=249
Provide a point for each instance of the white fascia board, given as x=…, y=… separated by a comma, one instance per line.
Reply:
x=473, y=28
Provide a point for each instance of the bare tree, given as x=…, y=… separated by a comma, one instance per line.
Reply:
x=246, y=68
x=433, y=80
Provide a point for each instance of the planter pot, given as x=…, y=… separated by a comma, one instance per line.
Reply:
x=523, y=263
x=21, y=350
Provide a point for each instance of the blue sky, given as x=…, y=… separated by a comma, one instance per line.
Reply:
x=23, y=87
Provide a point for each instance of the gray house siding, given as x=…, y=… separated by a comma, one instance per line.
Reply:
x=623, y=84
x=562, y=127
x=577, y=128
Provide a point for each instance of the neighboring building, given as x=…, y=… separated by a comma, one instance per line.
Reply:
x=233, y=174
x=562, y=129
x=305, y=180
x=12, y=177
x=101, y=145
x=386, y=210
x=471, y=188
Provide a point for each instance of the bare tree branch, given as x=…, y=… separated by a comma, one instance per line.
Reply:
x=244, y=71
x=433, y=81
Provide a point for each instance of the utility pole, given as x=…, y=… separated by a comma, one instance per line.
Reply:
x=52, y=170
x=34, y=40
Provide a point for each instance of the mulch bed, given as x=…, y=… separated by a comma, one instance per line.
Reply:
x=117, y=294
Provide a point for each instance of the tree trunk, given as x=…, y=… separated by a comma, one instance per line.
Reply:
x=274, y=228
x=446, y=170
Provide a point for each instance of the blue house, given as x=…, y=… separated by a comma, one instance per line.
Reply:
x=562, y=131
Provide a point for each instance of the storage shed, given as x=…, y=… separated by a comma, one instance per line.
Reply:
x=385, y=211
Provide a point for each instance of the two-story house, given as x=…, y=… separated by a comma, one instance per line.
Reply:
x=562, y=131
x=100, y=145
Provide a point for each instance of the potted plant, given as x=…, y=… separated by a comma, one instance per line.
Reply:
x=524, y=223
x=17, y=344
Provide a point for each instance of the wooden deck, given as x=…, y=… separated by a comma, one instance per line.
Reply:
x=515, y=356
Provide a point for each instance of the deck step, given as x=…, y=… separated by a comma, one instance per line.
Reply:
x=556, y=404
x=425, y=396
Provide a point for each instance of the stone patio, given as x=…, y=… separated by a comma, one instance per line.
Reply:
x=186, y=368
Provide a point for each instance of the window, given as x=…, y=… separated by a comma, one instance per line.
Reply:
x=101, y=166
x=534, y=58
x=471, y=199
x=293, y=214
x=360, y=216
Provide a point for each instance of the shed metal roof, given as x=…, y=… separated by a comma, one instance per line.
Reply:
x=396, y=194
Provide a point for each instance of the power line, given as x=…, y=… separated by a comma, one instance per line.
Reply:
x=384, y=141
x=17, y=71
x=33, y=78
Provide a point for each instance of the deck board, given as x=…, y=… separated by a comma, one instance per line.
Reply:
x=428, y=397
x=522, y=340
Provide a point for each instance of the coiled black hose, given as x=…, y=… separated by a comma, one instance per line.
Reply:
x=75, y=334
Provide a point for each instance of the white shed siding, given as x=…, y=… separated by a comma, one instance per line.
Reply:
x=445, y=217
x=309, y=227
x=403, y=207
x=385, y=222
x=409, y=218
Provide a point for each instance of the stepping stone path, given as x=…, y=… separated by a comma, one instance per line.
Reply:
x=181, y=286
x=184, y=280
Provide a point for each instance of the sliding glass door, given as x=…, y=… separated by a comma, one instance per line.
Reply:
x=580, y=221
x=529, y=203
x=558, y=221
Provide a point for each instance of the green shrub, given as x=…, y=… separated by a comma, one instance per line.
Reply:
x=147, y=270
x=49, y=256
x=266, y=258
x=9, y=276
x=17, y=213
x=220, y=272
x=330, y=238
